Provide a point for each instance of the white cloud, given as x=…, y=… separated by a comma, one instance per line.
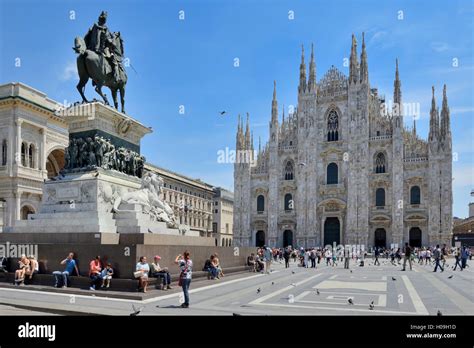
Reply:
x=463, y=176
x=462, y=110
x=439, y=46
x=69, y=72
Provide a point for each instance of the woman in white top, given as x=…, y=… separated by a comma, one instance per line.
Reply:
x=186, y=267
x=144, y=268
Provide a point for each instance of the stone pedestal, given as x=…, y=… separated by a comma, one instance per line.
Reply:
x=79, y=203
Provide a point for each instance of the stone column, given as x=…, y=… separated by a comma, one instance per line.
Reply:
x=17, y=154
x=42, y=150
x=17, y=195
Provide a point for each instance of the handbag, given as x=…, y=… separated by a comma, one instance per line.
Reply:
x=182, y=275
x=137, y=274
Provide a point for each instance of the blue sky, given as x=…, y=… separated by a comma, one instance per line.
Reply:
x=191, y=62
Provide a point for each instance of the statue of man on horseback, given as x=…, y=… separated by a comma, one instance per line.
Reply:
x=101, y=59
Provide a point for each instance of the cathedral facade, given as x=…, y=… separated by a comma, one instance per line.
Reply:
x=343, y=168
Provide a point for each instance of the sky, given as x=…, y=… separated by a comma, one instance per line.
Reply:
x=190, y=63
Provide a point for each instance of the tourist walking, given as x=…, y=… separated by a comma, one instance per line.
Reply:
x=457, y=258
x=286, y=256
x=186, y=267
x=376, y=254
x=407, y=257
x=464, y=256
x=437, y=257
x=347, y=257
x=267, y=257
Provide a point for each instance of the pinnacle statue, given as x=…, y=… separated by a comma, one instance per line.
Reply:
x=101, y=60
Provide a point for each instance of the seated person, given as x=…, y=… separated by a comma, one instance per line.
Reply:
x=207, y=268
x=159, y=272
x=214, y=270
x=95, y=268
x=106, y=275
x=260, y=264
x=34, y=267
x=251, y=262
x=23, y=267
x=63, y=277
x=220, y=272
x=141, y=273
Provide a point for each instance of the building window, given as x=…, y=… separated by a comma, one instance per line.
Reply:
x=227, y=228
x=380, y=197
x=23, y=154
x=415, y=195
x=380, y=163
x=332, y=174
x=260, y=203
x=288, y=201
x=216, y=211
x=289, y=170
x=333, y=126
x=4, y=152
x=31, y=155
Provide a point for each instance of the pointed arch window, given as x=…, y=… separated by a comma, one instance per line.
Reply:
x=415, y=195
x=289, y=170
x=380, y=163
x=260, y=203
x=380, y=197
x=333, y=126
x=332, y=174
x=288, y=201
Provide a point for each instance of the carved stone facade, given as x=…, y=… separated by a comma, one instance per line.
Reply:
x=342, y=168
x=32, y=142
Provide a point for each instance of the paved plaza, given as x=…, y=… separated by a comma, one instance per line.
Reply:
x=294, y=291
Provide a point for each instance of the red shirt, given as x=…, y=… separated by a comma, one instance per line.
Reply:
x=94, y=267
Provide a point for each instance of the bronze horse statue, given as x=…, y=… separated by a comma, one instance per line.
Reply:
x=98, y=68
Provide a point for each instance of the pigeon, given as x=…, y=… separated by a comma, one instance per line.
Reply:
x=439, y=313
x=222, y=112
x=317, y=291
x=371, y=306
x=150, y=231
x=452, y=275
x=292, y=272
x=136, y=311
x=350, y=301
x=258, y=290
x=273, y=283
x=393, y=278
x=293, y=284
x=236, y=315
x=351, y=271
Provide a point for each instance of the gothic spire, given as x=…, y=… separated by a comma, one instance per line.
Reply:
x=259, y=145
x=364, y=69
x=434, y=120
x=397, y=92
x=312, y=72
x=445, y=118
x=247, y=133
x=238, y=135
x=302, y=85
x=283, y=116
x=274, y=106
x=414, y=126
x=251, y=141
x=353, y=64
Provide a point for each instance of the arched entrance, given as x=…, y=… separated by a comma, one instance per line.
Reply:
x=332, y=228
x=415, y=237
x=287, y=238
x=25, y=211
x=260, y=239
x=55, y=162
x=380, y=238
